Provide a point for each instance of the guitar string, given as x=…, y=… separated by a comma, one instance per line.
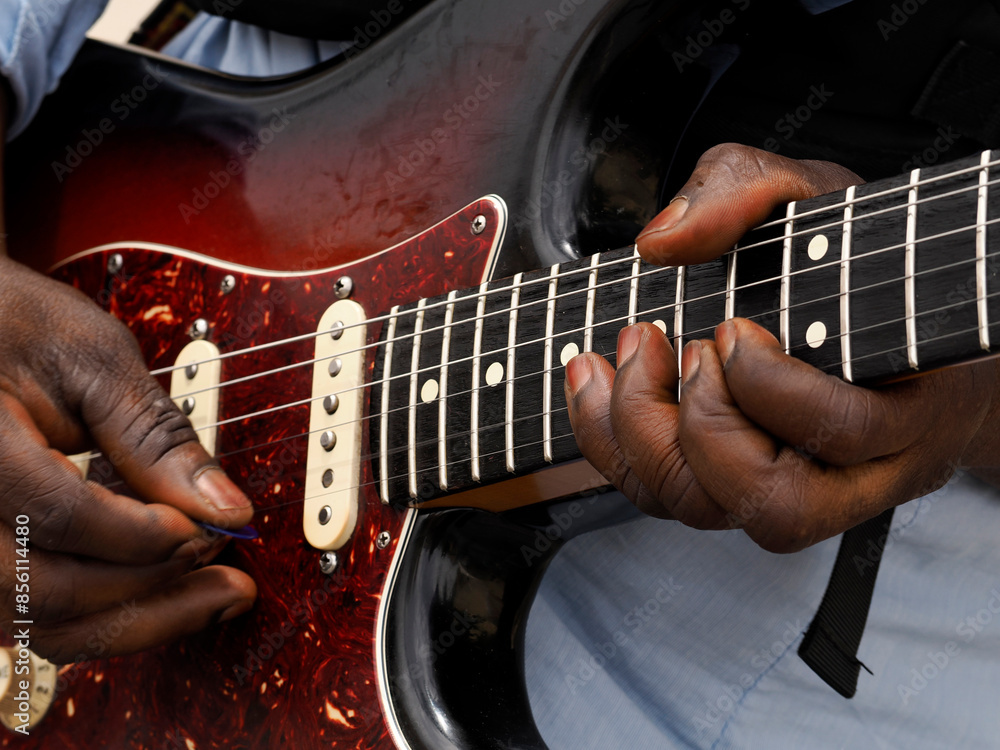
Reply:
x=652, y=311
x=433, y=442
x=584, y=270
x=506, y=311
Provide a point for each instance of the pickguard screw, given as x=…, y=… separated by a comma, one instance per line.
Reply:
x=328, y=562
x=343, y=287
x=479, y=224
x=228, y=284
x=383, y=539
x=115, y=263
x=198, y=329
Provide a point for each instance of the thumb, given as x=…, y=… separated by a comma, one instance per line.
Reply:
x=733, y=189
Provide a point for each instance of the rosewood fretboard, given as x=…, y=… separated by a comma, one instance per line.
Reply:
x=893, y=276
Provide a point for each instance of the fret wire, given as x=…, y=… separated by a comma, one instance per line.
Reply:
x=731, y=285
x=981, y=215
x=679, y=320
x=383, y=318
x=449, y=316
x=515, y=299
x=383, y=461
x=909, y=284
x=633, y=288
x=411, y=456
x=550, y=320
x=477, y=347
x=845, y=288
x=786, y=268
x=588, y=318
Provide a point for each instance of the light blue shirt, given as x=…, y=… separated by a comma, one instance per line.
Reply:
x=653, y=635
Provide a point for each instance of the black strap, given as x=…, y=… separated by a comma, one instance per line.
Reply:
x=830, y=645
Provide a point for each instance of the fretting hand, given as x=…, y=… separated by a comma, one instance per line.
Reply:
x=725, y=456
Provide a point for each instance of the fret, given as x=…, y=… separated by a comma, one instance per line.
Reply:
x=550, y=318
x=947, y=316
x=657, y=297
x=411, y=444
x=845, y=286
x=911, y=269
x=704, y=298
x=529, y=418
x=460, y=388
x=384, y=426
x=449, y=316
x=982, y=206
x=611, y=304
x=588, y=324
x=477, y=347
x=515, y=296
x=679, y=317
x=786, y=269
x=731, y=285
x=757, y=278
x=817, y=282
x=633, y=289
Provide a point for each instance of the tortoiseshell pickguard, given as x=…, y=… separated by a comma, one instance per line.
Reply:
x=299, y=670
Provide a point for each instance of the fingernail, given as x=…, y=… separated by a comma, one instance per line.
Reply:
x=628, y=342
x=219, y=490
x=578, y=373
x=691, y=360
x=725, y=339
x=667, y=219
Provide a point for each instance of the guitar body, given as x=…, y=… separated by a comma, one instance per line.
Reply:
x=373, y=168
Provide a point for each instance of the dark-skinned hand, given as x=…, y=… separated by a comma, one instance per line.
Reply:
x=726, y=455
x=71, y=380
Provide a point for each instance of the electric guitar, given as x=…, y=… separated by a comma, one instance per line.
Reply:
x=397, y=417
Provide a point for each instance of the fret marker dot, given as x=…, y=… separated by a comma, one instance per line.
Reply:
x=494, y=374
x=429, y=392
x=818, y=246
x=816, y=335
x=568, y=352
x=661, y=325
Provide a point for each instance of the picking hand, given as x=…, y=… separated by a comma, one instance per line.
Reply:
x=72, y=379
x=726, y=455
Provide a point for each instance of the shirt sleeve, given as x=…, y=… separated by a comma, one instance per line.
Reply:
x=38, y=40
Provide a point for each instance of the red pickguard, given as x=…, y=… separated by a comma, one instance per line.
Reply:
x=317, y=689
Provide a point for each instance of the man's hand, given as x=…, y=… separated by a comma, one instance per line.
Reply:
x=72, y=379
x=726, y=456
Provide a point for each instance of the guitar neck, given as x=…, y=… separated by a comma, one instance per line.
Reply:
x=892, y=277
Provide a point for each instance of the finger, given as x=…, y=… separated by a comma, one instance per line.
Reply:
x=784, y=502
x=733, y=188
x=588, y=386
x=67, y=514
x=185, y=606
x=818, y=414
x=64, y=587
x=644, y=417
